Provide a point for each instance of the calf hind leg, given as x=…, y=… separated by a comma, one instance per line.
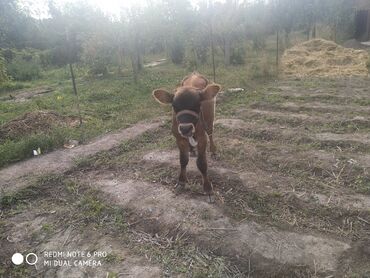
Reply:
x=212, y=146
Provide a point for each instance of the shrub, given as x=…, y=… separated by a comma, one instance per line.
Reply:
x=11, y=86
x=22, y=70
x=263, y=69
x=3, y=75
x=177, y=51
x=8, y=54
x=99, y=66
x=237, y=56
x=259, y=42
x=97, y=55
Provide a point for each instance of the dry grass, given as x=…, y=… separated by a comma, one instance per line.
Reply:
x=33, y=122
x=320, y=57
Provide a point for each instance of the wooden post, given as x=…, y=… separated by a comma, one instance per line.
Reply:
x=213, y=55
x=75, y=91
x=70, y=51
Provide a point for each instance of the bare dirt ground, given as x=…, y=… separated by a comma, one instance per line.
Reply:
x=26, y=94
x=16, y=176
x=292, y=194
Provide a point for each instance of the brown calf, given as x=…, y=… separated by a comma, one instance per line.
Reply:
x=208, y=107
x=193, y=106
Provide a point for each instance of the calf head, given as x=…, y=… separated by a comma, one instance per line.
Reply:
x=186, y=104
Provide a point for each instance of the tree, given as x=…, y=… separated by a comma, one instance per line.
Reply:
x=3, y=75
x=228, y=27
x=339, y=15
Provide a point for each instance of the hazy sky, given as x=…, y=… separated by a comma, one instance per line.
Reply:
x=39, y=9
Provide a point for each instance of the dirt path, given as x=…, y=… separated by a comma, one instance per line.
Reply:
x=18, y=175
x=35, y=223
x=24, y=95
x=261, y=182
x=249, y=240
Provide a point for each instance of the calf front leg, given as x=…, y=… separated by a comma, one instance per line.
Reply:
x=202, y=166
x=208, y=112
x=184, y=160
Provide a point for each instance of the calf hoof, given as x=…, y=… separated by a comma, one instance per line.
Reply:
x=180, y=186
x=210, y=198
x=215, y=156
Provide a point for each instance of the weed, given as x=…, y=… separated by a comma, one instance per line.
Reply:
x=113, y=258
x=47, y=228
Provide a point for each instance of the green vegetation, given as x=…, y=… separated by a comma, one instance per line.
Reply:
x=113, y=84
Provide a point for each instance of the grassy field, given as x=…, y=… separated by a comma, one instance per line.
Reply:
x=107, y=103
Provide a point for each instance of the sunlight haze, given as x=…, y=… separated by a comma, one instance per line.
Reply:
x=39, y=8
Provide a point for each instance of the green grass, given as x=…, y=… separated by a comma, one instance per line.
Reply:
x=107, y=103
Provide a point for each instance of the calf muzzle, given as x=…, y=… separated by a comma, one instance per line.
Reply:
x=187, y=129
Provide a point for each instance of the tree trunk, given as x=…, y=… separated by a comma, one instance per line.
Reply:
x=194, y=50
x=139, y=61
x=335, y=29
x=308, y=31
x=121, y=61
x=287, y=40
x=227, y=51
x=314, y=31
x=134, y=67
x=277, y=50
x=137, y=54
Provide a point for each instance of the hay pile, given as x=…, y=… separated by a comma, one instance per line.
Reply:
x=319, y=57
x=34, y=122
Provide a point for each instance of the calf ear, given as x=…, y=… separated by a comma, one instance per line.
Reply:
x=162, y=96
x=210, y=92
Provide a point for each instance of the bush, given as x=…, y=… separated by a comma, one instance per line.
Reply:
x=13, y=151
x=177, y=51
x=22, y=70
x=8, y=54
x=263, y=69
x=45, y=58
x=3, y=75
x=237, y=56
x=97, y=54
x=259, y=42
x=100, y=66
x=11, y=86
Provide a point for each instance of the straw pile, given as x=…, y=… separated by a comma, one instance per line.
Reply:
x=35, y=122
x=319, y=57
